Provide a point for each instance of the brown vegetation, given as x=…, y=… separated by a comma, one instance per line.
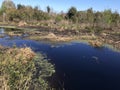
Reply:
x=50, y=37
x=96, y=43
x=22, y=69
x=25, y=53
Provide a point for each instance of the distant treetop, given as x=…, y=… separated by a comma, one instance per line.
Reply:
x=8, y=4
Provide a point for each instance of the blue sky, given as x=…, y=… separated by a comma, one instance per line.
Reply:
x=64, y=5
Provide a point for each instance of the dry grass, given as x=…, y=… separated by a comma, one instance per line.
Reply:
x=20, y=65
x=24, y=54
x=13, y=34
x=1, y=47
x=50, y=37
x=96, y=43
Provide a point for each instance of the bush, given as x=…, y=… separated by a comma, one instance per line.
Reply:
x=58, y=18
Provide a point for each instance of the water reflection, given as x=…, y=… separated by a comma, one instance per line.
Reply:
x=2, y=31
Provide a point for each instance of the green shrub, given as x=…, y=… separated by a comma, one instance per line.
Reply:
x=58, y=18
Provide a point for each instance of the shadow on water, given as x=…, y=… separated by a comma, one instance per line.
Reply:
x=79, y=66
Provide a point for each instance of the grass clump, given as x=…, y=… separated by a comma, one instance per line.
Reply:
x=22, y=69
x=96, y=43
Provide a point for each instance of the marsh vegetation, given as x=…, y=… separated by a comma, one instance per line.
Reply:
x=21, y=68
x=68, y=59
x=89, y=25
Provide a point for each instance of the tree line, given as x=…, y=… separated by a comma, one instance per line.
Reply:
x=106, y=18
x=10, y=12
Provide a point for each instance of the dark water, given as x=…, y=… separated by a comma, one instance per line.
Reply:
x=79, y=66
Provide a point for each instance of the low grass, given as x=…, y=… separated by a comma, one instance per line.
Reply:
x=23, y=69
